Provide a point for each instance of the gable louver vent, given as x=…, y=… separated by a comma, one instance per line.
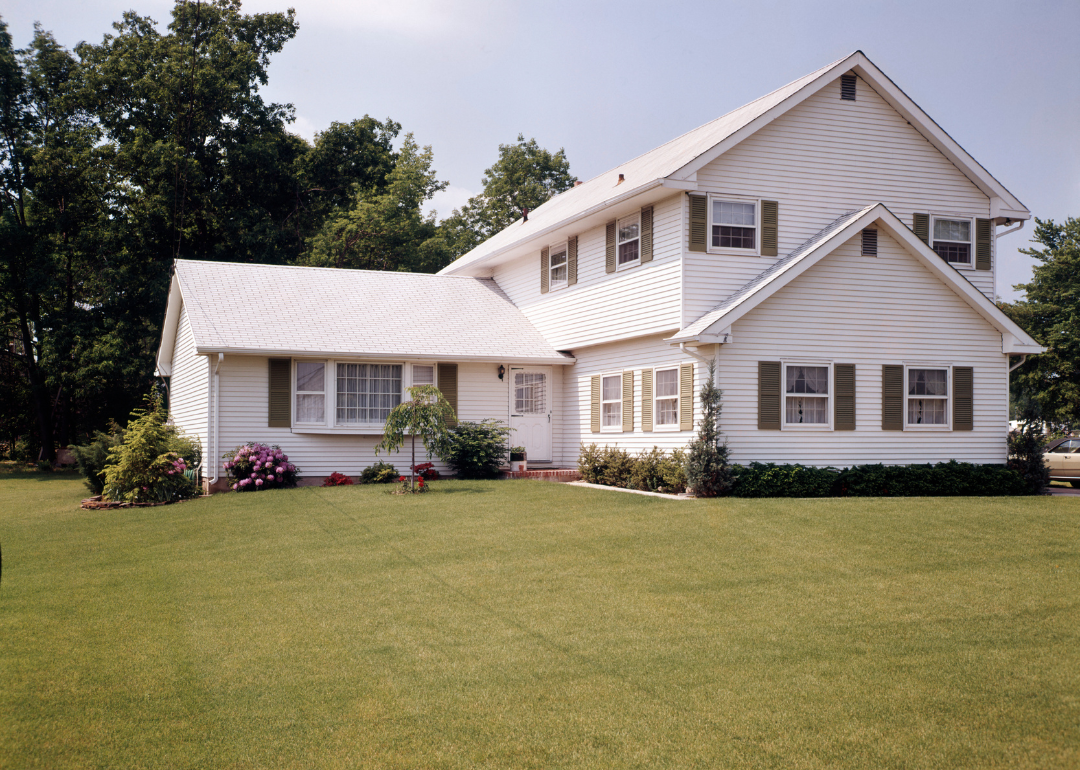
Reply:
x=869, y=243
x=847, y=87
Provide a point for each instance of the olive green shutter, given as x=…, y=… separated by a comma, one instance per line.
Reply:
x=280, y=412
x=609, y=251
x=699, y=222
x=844, y=397
x=448, y=384
x=646, y=400
x=892, y=397
x=627, y=402
x=686, y=396
x=983, y=243
x=769, y=227
x=963, y=398
x=768, y=398
x=646, y=234
x=920, y=225
x=545, y=271
x=594, y=406
x=571, y=261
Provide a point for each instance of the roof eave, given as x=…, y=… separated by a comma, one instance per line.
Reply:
x=557, y=360
x=882, y=216
x=167, y=345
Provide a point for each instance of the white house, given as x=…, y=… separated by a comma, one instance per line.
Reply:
x=828, y=247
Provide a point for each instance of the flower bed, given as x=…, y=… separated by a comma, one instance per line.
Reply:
x=256, y=467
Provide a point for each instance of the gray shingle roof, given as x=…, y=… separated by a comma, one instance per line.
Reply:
x=295, y=310
x=776, y=269
x=638, y=173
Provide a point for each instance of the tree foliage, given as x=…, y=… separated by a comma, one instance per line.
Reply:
x=426, y=414
x=524, y=177
x=708, y=473
x=1048, y=385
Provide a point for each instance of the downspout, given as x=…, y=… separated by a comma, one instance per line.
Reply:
x=1014, y=367
x=1010, y=232
x=217, y=421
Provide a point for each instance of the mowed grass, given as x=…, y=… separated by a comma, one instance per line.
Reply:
x=525, y=624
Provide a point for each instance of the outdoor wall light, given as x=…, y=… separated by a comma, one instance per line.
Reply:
x=502, y=371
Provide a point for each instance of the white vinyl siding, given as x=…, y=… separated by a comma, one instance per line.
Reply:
x=822, y=158
x=605, y=307
x=849, y=309
x=244, y=388
x=189, y=386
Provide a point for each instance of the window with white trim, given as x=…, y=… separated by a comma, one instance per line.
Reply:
x=628, y=231
x=423, y=374
x=366, y=393
x=733, y=224
x=611, y=402
x=666, y=397
x=557, y=266
x=927, y=396
x=952, y=240
x=806, y=395
x=311, y=392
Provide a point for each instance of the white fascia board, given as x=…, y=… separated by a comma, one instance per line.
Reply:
x=886, y=220
x=169, y=329
x=352, y=354
x=1000, y=210
x=1010, y=206
x=1010, y=345
x=613, y=208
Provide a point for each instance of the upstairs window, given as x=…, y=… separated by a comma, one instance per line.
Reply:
x=952, y=240
x=734, y=225
x=558, y=266
x=629, y=240
x=611, y=402
x=806, y=395
x=927, y=397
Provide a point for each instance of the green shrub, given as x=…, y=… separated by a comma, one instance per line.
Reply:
x=772, y=480
x=650, y=471
x=951, y=479
x=91, y=458
x=379, y=473
x=1026, y=448
x=150, y=464
x=476, y=450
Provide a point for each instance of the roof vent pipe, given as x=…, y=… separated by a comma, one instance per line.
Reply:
x=621, y=179
x=578, y=183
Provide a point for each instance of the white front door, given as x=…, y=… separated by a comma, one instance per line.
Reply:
x=530, y=411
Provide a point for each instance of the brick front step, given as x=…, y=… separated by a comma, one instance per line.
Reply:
x=555, y=474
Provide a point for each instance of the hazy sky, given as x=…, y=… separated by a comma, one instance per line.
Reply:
x=608, y=81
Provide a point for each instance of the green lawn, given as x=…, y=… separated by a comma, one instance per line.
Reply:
x=525, y=624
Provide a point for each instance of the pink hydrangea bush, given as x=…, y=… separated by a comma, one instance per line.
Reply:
x=255, y=467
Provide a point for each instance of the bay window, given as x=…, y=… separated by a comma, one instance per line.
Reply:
x=311, y=392
x=367, y=392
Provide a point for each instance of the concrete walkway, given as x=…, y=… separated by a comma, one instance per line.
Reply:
x=1064, y=491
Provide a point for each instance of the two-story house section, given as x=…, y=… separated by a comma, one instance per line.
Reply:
x=828, y=247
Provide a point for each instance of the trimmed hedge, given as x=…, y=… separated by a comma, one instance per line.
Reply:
x=951, y=479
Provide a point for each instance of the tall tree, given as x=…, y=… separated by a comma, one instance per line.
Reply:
x=524, y=176
x=1050, y=312
x=384, y=229
x=51, y=190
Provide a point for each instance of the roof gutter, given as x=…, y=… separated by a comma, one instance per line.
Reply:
x=434, y=357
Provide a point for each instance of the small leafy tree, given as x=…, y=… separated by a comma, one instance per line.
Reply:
x=1026, y=447
x=426, y=414
x=708, y=472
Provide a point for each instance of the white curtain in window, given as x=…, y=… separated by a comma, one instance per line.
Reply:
x=808, y=379
x=952, y=230
x=530, y=393
x=310, y=408
x=367, y=392
x=928, y=382
x=423, y=375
